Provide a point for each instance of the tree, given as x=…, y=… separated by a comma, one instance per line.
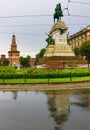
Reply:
x=25, y=61
x=6, y=62
x=40, y=54
x=85, y=50
x=77, y=51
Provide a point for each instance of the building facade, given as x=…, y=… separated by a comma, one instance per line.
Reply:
x=14, y=54
x=3, y=60
x=78, y=38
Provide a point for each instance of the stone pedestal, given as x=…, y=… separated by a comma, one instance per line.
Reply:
x=60, y=48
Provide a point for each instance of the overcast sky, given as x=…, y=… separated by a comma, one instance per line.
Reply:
x=30, y=31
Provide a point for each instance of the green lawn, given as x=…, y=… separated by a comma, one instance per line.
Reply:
x=52, y=80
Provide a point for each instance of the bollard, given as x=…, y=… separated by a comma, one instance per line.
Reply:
x=70, y=77
x=25, y=78
x=3, y=78
x=48, y=78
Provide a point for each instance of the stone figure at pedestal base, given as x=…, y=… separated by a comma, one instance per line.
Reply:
x=50, y=40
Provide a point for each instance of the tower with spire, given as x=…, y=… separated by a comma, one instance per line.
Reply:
x=14, y=54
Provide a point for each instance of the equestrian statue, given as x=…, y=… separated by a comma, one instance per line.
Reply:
x=58, y=13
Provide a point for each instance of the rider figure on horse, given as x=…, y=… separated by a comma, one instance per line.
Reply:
x=58, y=12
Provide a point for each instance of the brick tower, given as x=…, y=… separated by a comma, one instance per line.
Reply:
x=13, y=54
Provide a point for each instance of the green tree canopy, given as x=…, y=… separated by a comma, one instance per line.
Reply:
x=25, y=61
x=4, y=62
x=40, y=54
x=77, y=51
x=85, y=50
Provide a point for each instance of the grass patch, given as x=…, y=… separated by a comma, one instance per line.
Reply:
x=46, y=80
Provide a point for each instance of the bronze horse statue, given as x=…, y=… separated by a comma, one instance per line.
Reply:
x=58, y=13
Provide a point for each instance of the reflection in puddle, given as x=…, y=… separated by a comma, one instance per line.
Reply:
x=45, y=110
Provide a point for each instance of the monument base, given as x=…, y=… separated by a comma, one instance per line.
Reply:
x=58, y=50
x=60, y=62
